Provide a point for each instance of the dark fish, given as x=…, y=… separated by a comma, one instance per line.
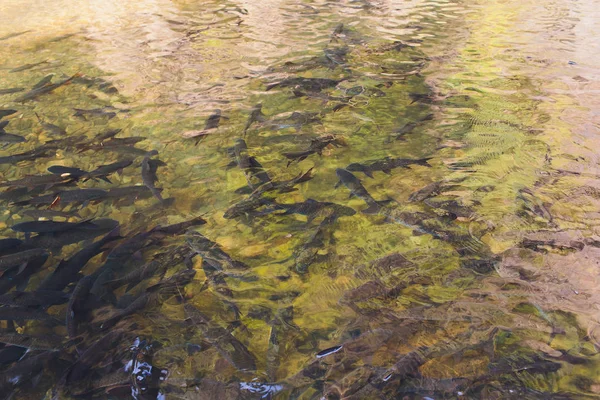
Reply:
x=285, y=186
x=433, y=189
x=307, y=84
x=386, y=165
x=312, y=209
x=34, y=93
x=113, y=144
x=247, y=206
x=108, y=112
x=135, y=192
x=226, y=344
x=39, y=298
x=356, y=188
x=51, y=128
x=73, y=172
x=16, y=277
x=212, y=122
x=12, y=35
x=27, y=66
x=11, y=90
x=51, y=226
x=329, y=351
x=6, y=112
x=83, y=196
x=149, y=174
x=28, y=155
x=256, y=115
x=45, y=181
x=56, y=240
x=24, y=314
x=316, y=146
x=75, y=306
x=67, y=270
x=10, y=138
x=103, y=171
x=9, y=244
x=43, y=82
x=209, y=249
x=176, y=229
x=26, y=369
x=409, y=127
x=21, y=259
x=253, y=170
x=158, y=266
x=93, y=354
x=46, y=342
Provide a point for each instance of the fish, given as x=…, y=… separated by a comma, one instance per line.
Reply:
x=209, y=249
x=135, y=192
x=285, y=186
x=113, y=144
x=212, y=122
x=16, y=277
x=36, y=153
x=9, y=244
x=307, y=84
x=35, y=93
x=43, y=82
x=82, y=196
x=331, y=350
x=11, y=90
x=44, y=181
x=39, y=298
x=75, y=305
x=24, y=314
x=51, y=128
x=226, y=344
x=317, y=145
x=46, y=342
x=312, y=209
x=5, y=112
x=103, y=171
x=158, y=266
x=386, y=165
x=10, y=138
x=67, y=270
x=167, y=287
x=71, y=172
x=21, y=259
x=90, y=356
x=399, y=133
x=56, y=240
x=27, y=66
x=247, y=206
x=357, y=189
x=253, y=170
x=26, y=369
x=256, y=115
x=108, y=112
x=149, y=173
x=12, y=35
x=51, y=226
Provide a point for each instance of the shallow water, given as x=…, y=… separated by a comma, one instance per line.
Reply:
x=475, y=277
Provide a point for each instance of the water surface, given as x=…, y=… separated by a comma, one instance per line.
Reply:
x=476, y=277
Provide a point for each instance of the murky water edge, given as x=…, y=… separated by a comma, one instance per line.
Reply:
x=466, y=267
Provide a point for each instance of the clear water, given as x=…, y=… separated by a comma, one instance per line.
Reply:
x=477, y=280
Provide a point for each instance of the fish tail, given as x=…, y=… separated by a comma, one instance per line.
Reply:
x=424, y=161
x=376, y=206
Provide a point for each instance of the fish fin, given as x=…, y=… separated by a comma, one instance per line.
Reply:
x=387, y=171
x=351, y=195
x=231, y=165
x=22, y=268
x=3, y=124
x=105, y=179
x=23, y=285
x=369, y=174
x=424, y=162
x=337, y=185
